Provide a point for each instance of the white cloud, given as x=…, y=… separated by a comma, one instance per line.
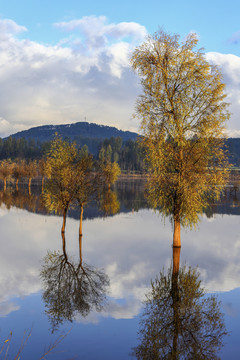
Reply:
x=7, y=308
x=86, y=75
x=97, y=32
x=8, y=28
x=229, y=66
x=72, y=80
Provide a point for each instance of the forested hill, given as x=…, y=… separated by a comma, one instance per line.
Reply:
x=74, y=132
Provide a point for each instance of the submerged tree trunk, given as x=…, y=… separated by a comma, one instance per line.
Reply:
x=81, y=218
x=64, y=220
x=176, y=260
x=80, y=234
x=175, y=300
x=29, y=185
x=17, y=180
x=42, y=183
x=64, y=245
x=80, y=250
x=177, y=232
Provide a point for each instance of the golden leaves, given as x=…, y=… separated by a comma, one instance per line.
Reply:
x=182, y=112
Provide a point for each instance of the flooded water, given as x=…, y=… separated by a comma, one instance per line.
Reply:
x=97, y=304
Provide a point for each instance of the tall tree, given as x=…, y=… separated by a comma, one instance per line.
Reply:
x=182, y=112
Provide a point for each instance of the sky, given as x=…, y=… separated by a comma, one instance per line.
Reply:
x=67, y=61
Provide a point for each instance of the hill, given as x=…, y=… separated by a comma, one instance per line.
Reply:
x=74, y=132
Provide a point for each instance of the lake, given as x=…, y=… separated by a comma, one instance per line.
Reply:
x=121, y=254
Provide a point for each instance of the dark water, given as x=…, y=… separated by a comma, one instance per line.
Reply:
x=127, y=250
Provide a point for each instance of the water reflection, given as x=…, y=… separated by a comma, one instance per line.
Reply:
x=71, y=288
x=129, y=196
x=179, y=321
x=22, y=200
x=109, y=203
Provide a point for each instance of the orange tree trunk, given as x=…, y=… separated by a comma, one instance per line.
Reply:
x=29, y=185
x=177, y=232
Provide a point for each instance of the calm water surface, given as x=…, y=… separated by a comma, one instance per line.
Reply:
x=128, y=250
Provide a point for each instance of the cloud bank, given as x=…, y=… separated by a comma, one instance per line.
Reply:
x=86, y=75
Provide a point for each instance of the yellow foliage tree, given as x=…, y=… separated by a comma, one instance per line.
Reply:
x=6, y=167
x=182, y=112
x=110, y=171
x=60, y=169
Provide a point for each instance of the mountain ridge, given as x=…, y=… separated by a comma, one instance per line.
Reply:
x=74, y=130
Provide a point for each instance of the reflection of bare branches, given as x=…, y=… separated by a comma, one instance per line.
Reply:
x=71, y=288
x=179, y=321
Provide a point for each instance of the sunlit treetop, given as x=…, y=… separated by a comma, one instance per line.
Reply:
x=182, y=93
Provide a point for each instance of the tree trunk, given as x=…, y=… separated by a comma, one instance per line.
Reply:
x=42, y=182
x=17, y=180
x=177, y=233
x=4, y=184
x=64, y=220
x=29, y=185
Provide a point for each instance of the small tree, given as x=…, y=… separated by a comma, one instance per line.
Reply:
x=87, y=184
x=60, y=166
x=182, y=112
x=18, y=171
x=6, y=167
x=110, y=172
x=41, y=169
x=30, y=171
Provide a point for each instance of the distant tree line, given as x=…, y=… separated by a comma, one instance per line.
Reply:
x=128, y=154
x=11, y=148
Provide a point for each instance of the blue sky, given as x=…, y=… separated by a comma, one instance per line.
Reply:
x=64, y=61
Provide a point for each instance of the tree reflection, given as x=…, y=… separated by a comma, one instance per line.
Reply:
x=179, y=321
x=109, y=203
x=21, y=200
x=71, y=288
